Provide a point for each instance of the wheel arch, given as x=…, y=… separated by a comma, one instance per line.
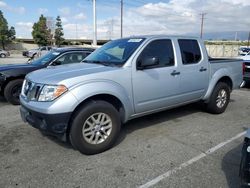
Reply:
x=218, y=77
x=113, y=100
x=9, y=79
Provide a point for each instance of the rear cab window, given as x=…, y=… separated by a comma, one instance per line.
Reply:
x=190, y=51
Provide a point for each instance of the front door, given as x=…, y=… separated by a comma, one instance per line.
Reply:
x=156, y=86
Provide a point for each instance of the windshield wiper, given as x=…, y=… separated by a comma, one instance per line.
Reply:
x=98, y=62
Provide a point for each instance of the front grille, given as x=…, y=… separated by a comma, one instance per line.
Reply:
x=31, y=90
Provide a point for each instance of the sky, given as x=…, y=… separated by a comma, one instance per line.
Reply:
x=141, y=17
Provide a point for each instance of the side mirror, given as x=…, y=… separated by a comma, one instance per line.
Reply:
x=55, y=63
x=147, y=62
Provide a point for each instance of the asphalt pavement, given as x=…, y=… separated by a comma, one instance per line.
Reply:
x=163, y=148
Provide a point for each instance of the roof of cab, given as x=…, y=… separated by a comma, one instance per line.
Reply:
x=165, y=36
x=66, y=49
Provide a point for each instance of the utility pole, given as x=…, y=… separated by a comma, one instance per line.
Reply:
x=121, y=18
x=94, y=24
x=236, y=36
x=202, y=23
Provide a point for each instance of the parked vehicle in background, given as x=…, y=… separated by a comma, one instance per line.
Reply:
x=243, y=51
x=4, y=53
x=37, y=52
x=246, y=68
x=11, y=76
x=245, y=161
x=122, y=80
x=246, y=57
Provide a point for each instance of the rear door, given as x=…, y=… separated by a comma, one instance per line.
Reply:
x=156, y=87
x=195, y=71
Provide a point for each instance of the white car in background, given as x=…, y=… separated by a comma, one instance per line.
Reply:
x=246, y=57
x=37, y=52
x=243, y=51
x=4, y=53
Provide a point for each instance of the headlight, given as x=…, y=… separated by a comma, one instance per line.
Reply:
x=50, y=93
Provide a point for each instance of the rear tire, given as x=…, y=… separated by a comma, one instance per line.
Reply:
x=12, y=91
x=219, y=99
x=95, y=127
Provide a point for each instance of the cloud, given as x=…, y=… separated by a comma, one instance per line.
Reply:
x=18, y=10
x=3, y=4
x=163, y=17
x=183, y=17
x=64, y=11
x=64, y=20
x=24, y=24
x=23, y=29
x=43, y=10
x=80, y=16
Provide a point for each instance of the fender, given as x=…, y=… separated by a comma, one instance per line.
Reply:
x=97, y=87
x=248, y=134
x=214, y=80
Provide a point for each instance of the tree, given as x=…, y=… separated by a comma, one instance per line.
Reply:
x=12, y=33
x=59, y=32
x=41, y=34
x=6, y=34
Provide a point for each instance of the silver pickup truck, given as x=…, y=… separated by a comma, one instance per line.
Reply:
x=127, y=78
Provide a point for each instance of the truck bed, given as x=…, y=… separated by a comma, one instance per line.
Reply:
x=229, y=66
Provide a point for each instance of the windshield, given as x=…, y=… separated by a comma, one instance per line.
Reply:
x=114, y=52
x=45, y=59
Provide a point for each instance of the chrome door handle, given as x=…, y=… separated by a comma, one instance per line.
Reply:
x=174, y=73
x=202, y=69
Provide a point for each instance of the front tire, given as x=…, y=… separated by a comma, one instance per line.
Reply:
x=219, y=99
x=95, y=127
x=2, y=55
x=12, y=91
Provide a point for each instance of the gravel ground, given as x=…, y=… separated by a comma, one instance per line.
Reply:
x=148, y=147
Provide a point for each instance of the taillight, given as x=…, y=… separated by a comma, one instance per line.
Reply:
x=243, y=68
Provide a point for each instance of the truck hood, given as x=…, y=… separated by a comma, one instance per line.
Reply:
x=15, y=66
x=58, y=74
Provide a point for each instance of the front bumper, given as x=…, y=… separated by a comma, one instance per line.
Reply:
x=245, y=164
x=2, y=82
x=53, y=124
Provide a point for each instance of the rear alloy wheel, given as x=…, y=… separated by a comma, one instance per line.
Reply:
x=13, y=90
x=219, y=99
x=95, y=127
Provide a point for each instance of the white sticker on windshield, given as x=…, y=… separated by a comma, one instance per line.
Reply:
x=56, y=53
x=134, y=40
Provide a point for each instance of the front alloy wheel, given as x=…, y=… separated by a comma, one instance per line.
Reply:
x=97, y=128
